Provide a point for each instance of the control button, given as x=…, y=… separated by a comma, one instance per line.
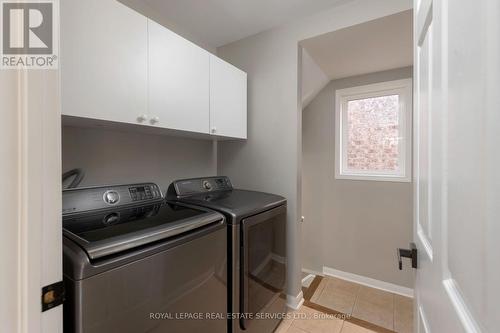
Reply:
x=207, y=185
x=111, y=197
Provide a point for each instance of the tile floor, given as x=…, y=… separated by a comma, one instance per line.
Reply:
x=387, y=312
x=307, y=320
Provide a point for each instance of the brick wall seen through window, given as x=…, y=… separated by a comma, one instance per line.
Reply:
x=373, y=131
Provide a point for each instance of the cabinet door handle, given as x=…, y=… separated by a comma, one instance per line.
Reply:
x=155, y=120
x=214, y=130
x=142, y=118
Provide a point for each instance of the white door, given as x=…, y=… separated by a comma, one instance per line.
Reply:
x=178, y=81
x=228, y=99
x=103, y=60
x=456, y=159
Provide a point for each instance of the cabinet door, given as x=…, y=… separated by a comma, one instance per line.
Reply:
x=228, y=99
x=103, y=60
x=178, y=81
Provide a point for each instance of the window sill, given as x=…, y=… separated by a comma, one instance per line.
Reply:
x=381, y=178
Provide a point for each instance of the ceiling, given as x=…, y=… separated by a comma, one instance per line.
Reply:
x=219, y=22
x=373, y=46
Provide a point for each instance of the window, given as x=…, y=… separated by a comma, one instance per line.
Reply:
x=373, y=132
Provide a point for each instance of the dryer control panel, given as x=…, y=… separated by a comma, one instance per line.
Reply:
x=193, y=186
x=79, y=200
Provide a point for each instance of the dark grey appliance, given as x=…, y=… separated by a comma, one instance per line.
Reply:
x=256, y=248
x=136, y=263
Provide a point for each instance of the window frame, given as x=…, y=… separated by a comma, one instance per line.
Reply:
x=403, y=88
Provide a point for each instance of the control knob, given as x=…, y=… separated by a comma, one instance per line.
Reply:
x=111, y=197
x=207, y=185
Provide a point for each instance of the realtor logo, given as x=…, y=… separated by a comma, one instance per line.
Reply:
x=29, y=34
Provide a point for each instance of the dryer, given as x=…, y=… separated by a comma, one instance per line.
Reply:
x=256, y=238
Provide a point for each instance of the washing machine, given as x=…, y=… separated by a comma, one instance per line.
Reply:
x=135, y=263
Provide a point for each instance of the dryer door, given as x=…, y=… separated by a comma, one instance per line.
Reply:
x=263, y=260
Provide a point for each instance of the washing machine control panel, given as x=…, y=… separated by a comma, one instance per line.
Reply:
x=144, y=192
x=202, y=185
x=92, y=198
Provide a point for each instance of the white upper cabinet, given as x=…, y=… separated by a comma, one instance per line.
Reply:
x=228, y=100
x=117, y=67
x=103, y=60
x=178, y=81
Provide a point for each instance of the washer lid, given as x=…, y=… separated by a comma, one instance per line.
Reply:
x=236, y=204
x=108, y=232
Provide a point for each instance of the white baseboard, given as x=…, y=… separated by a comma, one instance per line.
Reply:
x=313, y=272
x=309, y=276
x=295, y=302
x=306, y=281
x=369, y=282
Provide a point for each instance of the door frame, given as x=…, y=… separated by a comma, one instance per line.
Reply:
x=31, y=149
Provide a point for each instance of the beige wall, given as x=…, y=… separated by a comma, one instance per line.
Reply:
x=113, y=157
x=313, y=78
x=352, y=226
x=270, y=160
